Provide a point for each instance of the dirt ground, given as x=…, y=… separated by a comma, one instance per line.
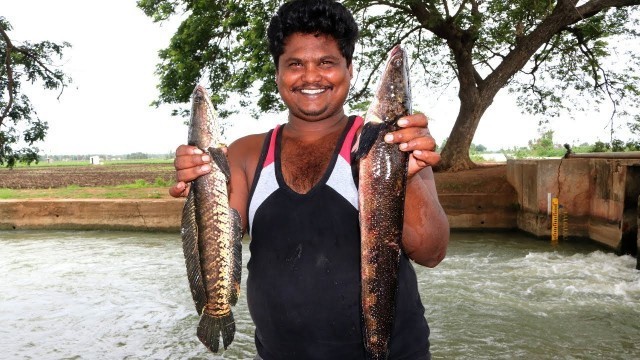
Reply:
x=484, y=179
x=47, y=177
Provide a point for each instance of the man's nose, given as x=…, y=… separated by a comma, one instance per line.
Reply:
x=311, y=74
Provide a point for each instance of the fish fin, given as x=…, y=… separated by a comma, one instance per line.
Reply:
x=236, y=247
x=189, y=231
x=368, y=136
x=220, y=159
x=210, y=328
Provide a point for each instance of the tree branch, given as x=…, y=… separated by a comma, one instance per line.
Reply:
x=460, y=8
x=9, y=69
x=26, y=52
x=445, y=4
x=563, y=15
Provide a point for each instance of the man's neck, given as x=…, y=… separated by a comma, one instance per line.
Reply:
x=303, y=130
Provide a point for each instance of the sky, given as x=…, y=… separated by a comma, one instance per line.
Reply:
x=106, y=109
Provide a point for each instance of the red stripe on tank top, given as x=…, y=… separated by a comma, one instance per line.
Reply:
x=271, y=153
x=345, y=151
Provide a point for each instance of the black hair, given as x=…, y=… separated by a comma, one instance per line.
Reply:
x=326, y=17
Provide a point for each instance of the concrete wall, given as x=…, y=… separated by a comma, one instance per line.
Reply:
x=591, y=193
x=156, y=215
x=481, y=211
x=468, y=211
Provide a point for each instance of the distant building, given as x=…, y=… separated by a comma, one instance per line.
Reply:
x=94, y=160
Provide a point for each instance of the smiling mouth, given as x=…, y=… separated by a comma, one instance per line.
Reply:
x=313, y=91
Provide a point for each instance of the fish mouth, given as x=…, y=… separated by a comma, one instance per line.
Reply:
x=396, y=49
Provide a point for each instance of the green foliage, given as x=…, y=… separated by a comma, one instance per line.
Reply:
x=477, y=149
x=160, y=182
x=222, y=44
x=556, y=55
x=143, y=184
x=20, y=127
x=136, y=156
x=477, y=158
x=601, y=147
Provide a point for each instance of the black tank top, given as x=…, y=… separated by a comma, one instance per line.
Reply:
x=303, y=287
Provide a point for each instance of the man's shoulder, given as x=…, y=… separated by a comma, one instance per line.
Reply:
x=248, y=142
x=247, y=147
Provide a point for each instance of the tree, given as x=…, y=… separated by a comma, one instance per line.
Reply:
x=20, y=126
x=547, y=51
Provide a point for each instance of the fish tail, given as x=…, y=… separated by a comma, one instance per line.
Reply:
x=211, y=327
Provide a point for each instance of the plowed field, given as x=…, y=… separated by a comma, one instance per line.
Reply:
x=47, y=177
x=484, y=179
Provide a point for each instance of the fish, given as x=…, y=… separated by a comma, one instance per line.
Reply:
x=211, y=232
x=382, y=179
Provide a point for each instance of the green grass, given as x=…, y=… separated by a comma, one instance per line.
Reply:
x=140, y=189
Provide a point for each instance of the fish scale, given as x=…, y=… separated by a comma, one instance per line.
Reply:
x=211, y=233
x=381, y=192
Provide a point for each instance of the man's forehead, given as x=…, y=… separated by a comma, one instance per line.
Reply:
x=315, y=41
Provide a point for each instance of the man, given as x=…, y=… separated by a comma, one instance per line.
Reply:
x=294, y=190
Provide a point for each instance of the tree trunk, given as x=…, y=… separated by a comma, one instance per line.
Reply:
x=455, y=154
x=476, y=94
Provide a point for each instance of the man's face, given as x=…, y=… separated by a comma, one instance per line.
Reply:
x=313, y=77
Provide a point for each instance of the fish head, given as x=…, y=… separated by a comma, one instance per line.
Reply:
x=393, y=95
x=204, y=129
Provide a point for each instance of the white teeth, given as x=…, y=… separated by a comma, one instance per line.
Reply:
x=311, y=91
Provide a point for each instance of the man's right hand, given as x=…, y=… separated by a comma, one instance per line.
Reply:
x=190, y=163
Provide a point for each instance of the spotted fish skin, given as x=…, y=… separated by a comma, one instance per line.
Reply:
x=381, y=189
x=211, y=232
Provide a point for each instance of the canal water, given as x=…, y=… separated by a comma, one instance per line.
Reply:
x=124, y=295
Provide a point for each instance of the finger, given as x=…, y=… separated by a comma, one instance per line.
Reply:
x=406, y=135
x=413, y=120
x=192, y=173
x=187, y=161
x=180, y=189
x=426, y=158
x=188, y=150
x=423, y=143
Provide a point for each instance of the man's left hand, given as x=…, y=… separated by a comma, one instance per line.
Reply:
x=414, y=137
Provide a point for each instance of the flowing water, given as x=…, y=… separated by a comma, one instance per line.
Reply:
x=121, y=295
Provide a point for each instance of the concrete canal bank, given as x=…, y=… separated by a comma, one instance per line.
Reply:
x=469, y=211
x=91, y=214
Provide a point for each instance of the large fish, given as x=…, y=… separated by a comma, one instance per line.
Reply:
x=381, y=189
x=211, y=233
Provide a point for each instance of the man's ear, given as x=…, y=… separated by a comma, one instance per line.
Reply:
x=351, y=70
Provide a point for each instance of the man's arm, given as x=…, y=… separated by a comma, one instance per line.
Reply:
x=426, y=228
